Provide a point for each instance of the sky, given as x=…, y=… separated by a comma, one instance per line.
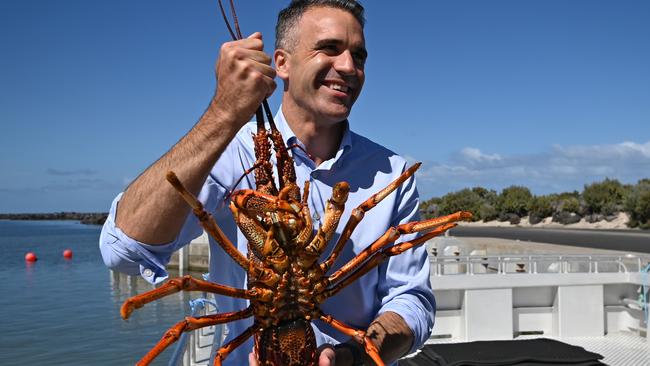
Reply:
x=549, y=94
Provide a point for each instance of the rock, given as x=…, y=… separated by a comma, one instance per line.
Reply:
x=90, y=218
x=594, y=218
x=533, y=219
x=610, y=218
x=512, y=218
x=566, y=218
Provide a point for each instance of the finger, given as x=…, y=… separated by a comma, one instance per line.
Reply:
x=254, y=41
x=255, y=35
x=327, y=356
x=252, y=360
x=242, y=53
x=244, y=64
x=266, y=70
x=270, y=88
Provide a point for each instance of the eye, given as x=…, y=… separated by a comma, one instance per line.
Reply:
x=359, y=58
x=329, y=48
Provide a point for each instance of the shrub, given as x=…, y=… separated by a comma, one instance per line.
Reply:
x=541, y=207
x=515, y=200
x=637, y=205
x=487, y=212
x=430, y=208
x=568, y=204
x=489, y=196
x=603, y=197
x=463, y=200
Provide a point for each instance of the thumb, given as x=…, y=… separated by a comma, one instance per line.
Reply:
x=327, y=357
x=252, y=359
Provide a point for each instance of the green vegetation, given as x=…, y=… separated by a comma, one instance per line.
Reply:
x=637, y=204
x=604, y=197
x=598, y=201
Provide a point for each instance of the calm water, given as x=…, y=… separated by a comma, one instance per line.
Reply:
x=60, y=312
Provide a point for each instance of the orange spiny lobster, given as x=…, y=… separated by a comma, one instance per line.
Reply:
x=286, y=281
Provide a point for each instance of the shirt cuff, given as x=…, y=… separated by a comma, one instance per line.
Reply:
x=322, y=338
x=418, y=319
x=124, y=254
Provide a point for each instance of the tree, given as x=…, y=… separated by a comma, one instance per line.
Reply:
x=514, y=200
x=604, y=197
x=463, y=200
x=637, y=205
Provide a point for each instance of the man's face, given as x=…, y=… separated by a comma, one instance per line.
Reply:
x=324, y=72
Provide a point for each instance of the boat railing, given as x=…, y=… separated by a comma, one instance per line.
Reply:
x=536, y=264
x=196, y=348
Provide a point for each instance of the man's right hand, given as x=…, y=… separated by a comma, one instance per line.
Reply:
x=244, y=78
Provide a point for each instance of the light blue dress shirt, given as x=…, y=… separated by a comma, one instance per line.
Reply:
x=400, y=285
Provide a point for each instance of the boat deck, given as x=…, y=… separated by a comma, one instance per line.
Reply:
x=622, y=348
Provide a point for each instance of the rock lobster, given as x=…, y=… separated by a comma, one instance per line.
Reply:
x=286, y=281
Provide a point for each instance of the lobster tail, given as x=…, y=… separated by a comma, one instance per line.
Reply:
x=292, y=343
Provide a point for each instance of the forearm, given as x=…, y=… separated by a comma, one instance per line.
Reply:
x=389, y=333
x=150, y=210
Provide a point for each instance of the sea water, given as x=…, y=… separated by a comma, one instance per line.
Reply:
x=66, y=312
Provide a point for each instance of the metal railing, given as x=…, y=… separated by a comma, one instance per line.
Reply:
x=196, y=348
x=534, y=264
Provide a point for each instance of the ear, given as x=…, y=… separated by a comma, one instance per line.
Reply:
x=281, y=60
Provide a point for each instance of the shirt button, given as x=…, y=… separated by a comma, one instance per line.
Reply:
x=147, y=272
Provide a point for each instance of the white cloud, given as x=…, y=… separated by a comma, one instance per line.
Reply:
x=561, y=168
x=475, y=155
x=624, y=150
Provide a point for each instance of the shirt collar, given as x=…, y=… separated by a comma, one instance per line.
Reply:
x=290, y=137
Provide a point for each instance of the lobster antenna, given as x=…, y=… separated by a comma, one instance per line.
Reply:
x=235, y=20
x=225, y=19
x=269, y=115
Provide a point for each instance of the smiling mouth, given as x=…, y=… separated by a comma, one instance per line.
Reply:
x=337, y=86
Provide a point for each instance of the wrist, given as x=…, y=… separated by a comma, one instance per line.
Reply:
x=217, y=125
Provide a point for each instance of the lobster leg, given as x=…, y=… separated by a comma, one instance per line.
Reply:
x=333, y=211
x=377, y=252
x=441, y=224
x=250, y=200
x=207, y=221
x=224, y=351
x=186, y=283
x=190, y=324
x=378, y=257
x=359, y=212
x=306, y=232
x=357, y=334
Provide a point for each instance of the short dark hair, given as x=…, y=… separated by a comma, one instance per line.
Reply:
x=289, y=17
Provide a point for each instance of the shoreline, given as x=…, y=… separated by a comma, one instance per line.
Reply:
x=88, y=218
x=618, y=224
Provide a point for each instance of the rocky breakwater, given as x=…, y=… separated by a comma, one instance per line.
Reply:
x=89, y=218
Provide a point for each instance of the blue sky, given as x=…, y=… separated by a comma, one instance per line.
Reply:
x=549, y=94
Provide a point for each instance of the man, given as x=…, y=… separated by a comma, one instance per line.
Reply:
x=320, y=56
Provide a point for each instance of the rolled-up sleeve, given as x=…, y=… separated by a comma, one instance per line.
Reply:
x=405, y=286
x=125, y=254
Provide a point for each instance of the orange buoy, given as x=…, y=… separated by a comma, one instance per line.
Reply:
x=67, y=254
x=30, y=257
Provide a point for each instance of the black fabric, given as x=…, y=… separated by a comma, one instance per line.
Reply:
x=528, y=352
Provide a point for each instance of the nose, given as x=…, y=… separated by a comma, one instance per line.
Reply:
x=344, y=63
